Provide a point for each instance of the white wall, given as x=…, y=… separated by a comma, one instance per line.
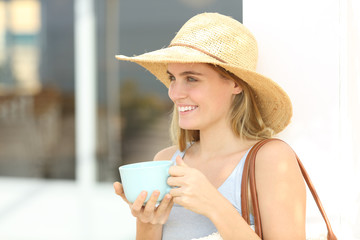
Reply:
x=350, y=110
x=302, y=47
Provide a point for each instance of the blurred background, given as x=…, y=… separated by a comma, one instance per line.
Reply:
x=71, y=114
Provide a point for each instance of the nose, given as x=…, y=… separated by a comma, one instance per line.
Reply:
x=177, y=90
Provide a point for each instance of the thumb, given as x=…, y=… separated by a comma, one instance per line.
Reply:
x=180, y=162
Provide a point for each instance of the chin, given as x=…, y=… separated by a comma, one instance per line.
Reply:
x=188, y=127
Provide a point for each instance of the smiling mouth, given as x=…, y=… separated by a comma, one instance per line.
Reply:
x=187, y=108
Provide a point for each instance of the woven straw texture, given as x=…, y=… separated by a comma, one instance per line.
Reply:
x=221, y=40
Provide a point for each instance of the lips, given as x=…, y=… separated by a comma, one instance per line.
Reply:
x=186, y=108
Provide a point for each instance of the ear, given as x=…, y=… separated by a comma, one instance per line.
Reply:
x=237, y=88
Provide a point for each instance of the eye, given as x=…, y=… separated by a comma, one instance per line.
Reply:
x=191, y=79
x=171, y=78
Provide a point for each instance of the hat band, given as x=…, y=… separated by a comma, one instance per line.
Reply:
x=198, y=49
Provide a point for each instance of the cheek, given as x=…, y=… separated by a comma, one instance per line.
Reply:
x=223, y=105
x=170, y=93
x=222, y=97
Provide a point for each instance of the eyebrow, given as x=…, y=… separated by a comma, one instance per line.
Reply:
x=186, y=73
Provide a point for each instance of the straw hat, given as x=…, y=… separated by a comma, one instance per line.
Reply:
x=221, y=40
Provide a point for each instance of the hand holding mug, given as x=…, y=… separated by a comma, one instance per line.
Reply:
x=192, y=189
x=150, y=213
x=144, y=187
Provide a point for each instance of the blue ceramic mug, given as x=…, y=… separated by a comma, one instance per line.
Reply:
x=145, y=176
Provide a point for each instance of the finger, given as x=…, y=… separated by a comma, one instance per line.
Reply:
x=163, y=210
x=178, y=200
x=180, y=162
x=138, y=204
x=164, y=204
x=175, y=181
x=177, y=171
x=175, y=192
x=151, y=204
x=168, y=210
x=119, y=190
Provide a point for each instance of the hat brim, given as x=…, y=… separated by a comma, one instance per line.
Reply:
x=273, y=102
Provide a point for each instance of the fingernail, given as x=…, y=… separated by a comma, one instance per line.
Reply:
x=143, y=193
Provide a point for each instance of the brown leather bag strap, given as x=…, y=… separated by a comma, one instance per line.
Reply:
x=248, y=179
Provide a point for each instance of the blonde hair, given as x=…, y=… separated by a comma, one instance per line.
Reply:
x=245, y=118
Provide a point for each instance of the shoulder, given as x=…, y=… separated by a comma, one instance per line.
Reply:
x=281, y=190
x=276, y=150
x=277, y=157
x=166, y=153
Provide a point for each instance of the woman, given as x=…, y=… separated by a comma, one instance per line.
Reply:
x=222, y=107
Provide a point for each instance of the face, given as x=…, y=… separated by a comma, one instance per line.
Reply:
x=201, y=95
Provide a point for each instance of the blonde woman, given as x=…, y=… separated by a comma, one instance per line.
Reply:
x=222, y=107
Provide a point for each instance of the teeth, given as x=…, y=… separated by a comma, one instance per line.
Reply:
x=187, y=108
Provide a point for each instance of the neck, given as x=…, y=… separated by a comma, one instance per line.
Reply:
x=218, y=141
